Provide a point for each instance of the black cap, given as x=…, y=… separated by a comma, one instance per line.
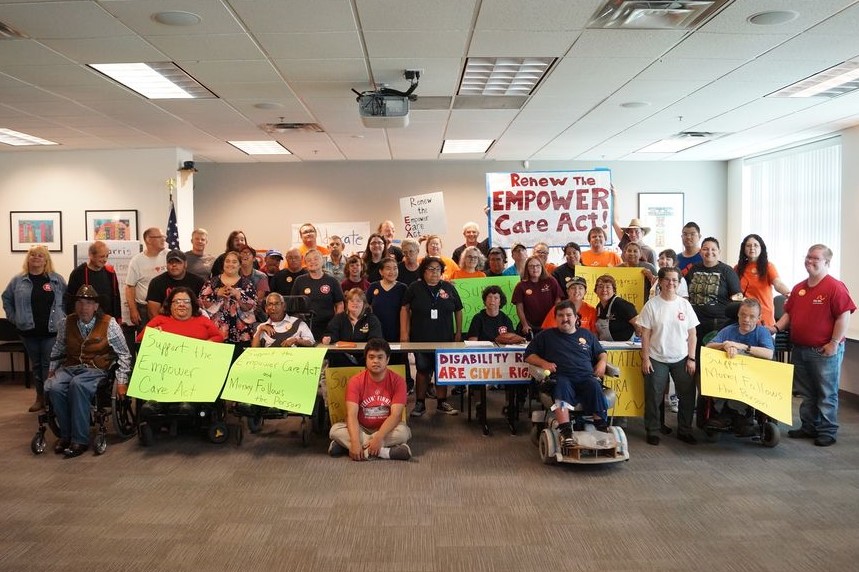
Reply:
x=176, y=254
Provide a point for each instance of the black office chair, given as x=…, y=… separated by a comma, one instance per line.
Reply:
x=11, y=343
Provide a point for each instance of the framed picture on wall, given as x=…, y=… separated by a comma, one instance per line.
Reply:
x=663, y=213
x=29, y=228
x=111, y=225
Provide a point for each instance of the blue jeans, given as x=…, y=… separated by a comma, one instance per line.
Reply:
x=654, y=389
x=588, y=393
x=71, y=392
x=39, y=351
x=816, y=379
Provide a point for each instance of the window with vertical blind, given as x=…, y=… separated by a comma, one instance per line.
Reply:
x=792, y=198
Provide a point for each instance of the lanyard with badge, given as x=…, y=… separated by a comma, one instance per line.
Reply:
x=434, y=310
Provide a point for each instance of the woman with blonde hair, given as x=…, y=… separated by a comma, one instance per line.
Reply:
x=33, y=302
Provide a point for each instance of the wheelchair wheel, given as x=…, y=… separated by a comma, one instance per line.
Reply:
x=771, y=435
x=100, y=443
x=38, y=443
x=124, y=417
x=146, y=434
x=218, y=433
x=547, y=448
x=255, y=423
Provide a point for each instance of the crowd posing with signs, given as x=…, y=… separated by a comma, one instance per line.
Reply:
x=389, y=294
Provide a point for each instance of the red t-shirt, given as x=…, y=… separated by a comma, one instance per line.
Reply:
x=813, y=310
x=374, y=398
x=198, y=327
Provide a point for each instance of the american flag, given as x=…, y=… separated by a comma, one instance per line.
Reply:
x=172, y=229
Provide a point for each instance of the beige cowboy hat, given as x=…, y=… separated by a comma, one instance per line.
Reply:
x=636, y=223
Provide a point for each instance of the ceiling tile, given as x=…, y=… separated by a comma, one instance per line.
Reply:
x=521, y=16
x=415, y=15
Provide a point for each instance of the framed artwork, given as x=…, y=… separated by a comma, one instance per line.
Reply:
x=663, y=213
x=111, y=225
x=29, y=228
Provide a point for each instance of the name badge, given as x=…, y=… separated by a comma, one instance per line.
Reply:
x=434, y=314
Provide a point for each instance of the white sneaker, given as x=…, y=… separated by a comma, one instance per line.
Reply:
x=673, y=403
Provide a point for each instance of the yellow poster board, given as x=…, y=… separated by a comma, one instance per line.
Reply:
x=171, y=368
x=336, y=379
x=630, y=283
x=285, y=378
x=629, y=387
x=764, y=384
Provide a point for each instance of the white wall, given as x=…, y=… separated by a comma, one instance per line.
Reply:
x=75, y=181
x=265, y=199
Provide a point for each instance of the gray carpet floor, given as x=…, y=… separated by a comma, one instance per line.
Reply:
x=464, y=502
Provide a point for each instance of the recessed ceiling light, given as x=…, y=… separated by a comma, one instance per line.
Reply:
x=831, y=82
x=635, y=104
x=177, y=18
x=155, y=80
x=260, y=147
x=452, y=146
x=772, y=17
x=268, y=105
x=503, y=76
x=18, y=139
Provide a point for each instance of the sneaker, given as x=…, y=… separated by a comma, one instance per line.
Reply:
x=687, y=438
x=335, y=449
x=824, y=440
x=569, y=441
x=431, y=392
x=401, y=452
x=801, y=434
x=653, y=440
x=601, y=425
x=446, y=408
x=419, y=410
x=673, y=403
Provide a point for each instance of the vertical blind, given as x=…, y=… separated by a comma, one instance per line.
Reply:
x=792, y=198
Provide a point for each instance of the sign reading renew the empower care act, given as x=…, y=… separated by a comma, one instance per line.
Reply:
x=549, y=206
x=423, y=215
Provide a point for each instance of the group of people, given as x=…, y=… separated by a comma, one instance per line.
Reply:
x=390, y=293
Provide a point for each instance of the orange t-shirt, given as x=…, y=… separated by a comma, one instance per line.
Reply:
x=605, y=258
x=460, y=273
x=587, y=315
x=761, y=289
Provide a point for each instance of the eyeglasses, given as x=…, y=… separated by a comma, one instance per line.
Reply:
x=541, y=252
x=377, y=242
x=181, y=302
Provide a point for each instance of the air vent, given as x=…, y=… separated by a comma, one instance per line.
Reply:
x=285, y=127
x=9, y=33
x=654, y=15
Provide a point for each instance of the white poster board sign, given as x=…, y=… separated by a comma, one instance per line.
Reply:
x=353, y=234
x=423, y=215
x=121, y=253
x=555, y=207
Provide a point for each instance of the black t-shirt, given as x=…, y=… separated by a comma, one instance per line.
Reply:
x=486, y=328
x=161, y=285
x=41, y=301
x=322, y=294
x=563, y=274
x=374, y=270
x=422, y=300
x=283, y=280
x=710, y=290
x=618, y=319
x=386, y=306
x=482, y=246
x=105, y=283
x=405, y=275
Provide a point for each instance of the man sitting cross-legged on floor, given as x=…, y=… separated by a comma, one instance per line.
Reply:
x=375, y=399
x=576, y=358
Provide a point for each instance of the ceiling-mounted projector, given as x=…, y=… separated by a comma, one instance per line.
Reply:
x=386, y=107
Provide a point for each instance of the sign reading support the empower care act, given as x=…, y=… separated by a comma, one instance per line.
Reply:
x=172, y=368
x=423, y=215
x=549, y=206
x=285, y=378
x=471, y=293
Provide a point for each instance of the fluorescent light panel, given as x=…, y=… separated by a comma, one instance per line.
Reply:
x=155, y=80
x=503, y=76
x=260, y=147
x=18, y=139
x=831, y=82
x=452, y=146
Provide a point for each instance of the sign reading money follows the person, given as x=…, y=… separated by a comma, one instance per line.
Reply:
x=172, y=368
x=285, y=378
x=762, y=383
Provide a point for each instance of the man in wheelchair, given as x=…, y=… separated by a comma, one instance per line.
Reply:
x=88, y=343
x=576, y=359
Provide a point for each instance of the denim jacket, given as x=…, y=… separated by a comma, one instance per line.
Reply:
x=17, y=301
